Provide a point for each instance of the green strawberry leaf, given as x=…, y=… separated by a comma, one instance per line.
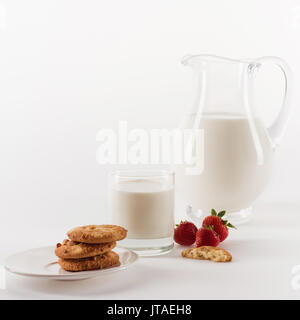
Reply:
x=221, y=213
x=208, y=227
x=213, y=212
x=230, y=225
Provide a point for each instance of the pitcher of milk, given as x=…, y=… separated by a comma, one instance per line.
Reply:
x=237, y=149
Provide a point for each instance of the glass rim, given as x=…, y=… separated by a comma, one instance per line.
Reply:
x=142, y=173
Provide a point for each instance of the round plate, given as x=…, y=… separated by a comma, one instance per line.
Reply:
x=42, y=263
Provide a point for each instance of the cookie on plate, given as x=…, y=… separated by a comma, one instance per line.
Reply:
x=107, y=260
x=97, y=233
x=207, y=253
x=75, y=250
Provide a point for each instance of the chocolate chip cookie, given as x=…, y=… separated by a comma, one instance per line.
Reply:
x=107, y=260
x=97, y=233
x=75, y=250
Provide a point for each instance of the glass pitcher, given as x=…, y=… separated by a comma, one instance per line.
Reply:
x=237, y=149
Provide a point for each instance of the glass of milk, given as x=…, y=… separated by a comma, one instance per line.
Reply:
x=143, y=203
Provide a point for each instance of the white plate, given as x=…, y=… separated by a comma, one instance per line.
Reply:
x=42, y=263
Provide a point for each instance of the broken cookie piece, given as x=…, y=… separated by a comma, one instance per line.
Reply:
x=207, y=253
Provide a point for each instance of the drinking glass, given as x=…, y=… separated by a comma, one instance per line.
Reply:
x=143, y=203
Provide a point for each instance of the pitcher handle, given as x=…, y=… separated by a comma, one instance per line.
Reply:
x=277, y=129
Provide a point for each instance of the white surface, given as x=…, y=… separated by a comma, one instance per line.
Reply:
x=265, y=251
x=42, y=263
x=70, y=68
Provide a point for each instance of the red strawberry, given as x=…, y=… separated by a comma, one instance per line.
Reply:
x=220, y=226
x=206, y=236
x=185, y=233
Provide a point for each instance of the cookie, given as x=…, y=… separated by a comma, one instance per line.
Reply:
x=207, y=253
x=75, y=250
x=107, y=260
x=97, y=233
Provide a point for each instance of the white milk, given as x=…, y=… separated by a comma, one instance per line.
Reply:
x=237, y=164
x=145, y=208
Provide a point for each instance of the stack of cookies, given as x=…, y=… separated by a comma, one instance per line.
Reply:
x=90, y=247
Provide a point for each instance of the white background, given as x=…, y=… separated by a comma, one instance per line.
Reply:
x=68, y=68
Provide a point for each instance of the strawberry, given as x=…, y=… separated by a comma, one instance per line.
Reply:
x=206, y=236
x=185, y=233
x=220, y=226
